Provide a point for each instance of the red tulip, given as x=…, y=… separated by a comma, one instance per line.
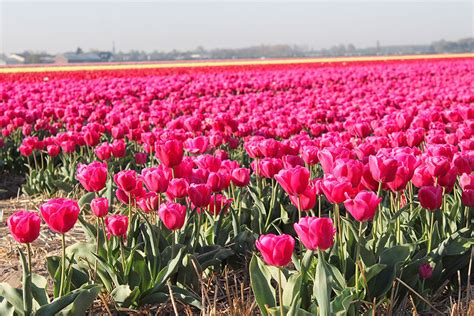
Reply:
x=402, y=177
x=363, y=206
x=240, y=177
x=425, y=271
x=130, y=197
x=197, y=145
x=268, y=167
x=103, y=151
x=93, y=176
x=276, y=250
x=292, y=161
x=116, y=225
x=294, y=181
x=310, y=155
x=335, y=189
x=60, y=214
x=170, y=152
x=119, y=148
x=53, y=150
x=24, y=226
x=315, y=232
x=467, y=197
x=350, y=169
x=466, y=181
x=218, y=181
x=25, y=150
x=383, y=169
x=208, y=162
x=91, y=138
x=172, y=215
x=199, y=194
x=148, y=202
x=437, y=166
x=126, y=180
x=430, y=197
x=307, y=199
x=269, y=147
x=177, y=188
x=100, y=206
x=155, y=180
x=218, y=203
x=141, y=158
x=421, y=177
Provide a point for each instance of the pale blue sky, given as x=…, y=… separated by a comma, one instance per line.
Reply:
x=157, y=25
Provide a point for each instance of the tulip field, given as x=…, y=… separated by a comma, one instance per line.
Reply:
x=337, y=188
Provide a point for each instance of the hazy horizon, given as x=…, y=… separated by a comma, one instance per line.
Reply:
x=63, y=26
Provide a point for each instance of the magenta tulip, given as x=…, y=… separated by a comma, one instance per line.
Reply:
x=60, y=214
x=315, y=232
x=172, y=215
x=430, y=197
x=93, y=176
x=24, y=226
x=363, y=206
x=100, y=206
x=276, y=250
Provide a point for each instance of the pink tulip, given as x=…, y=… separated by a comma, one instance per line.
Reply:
x=315, y=232
x=276, y=250
x=430, y=197
x=294, y=181
x=100, y=207
x=24, y=226
x=93, y=177
x=172, y=215
x=60, y=214
x=363, y=206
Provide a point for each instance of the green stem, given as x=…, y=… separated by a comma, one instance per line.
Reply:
x=173, y=243
x=96, y=247
x=377, y=216
x=105, y=237
x=430, y=237
x=122, y=255
x=280, y=293
x=359, y=234
x=28, y=249
x=63, y=265
x=319, y=205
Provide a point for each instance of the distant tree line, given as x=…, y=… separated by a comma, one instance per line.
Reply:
x=288, y=51
x=271, y=51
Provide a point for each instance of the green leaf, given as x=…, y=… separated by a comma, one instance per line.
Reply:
x=185, y=296
x=13, y=296
x=321, y=288
x=61, y=306
x=213, y=255
x=38, y=290
x=110, y=194
x=342, y=302
x=291, y=292
x=373, y=271
x=168, y=270
x=124, y=296
x=27, y=296
x=297, y=311
x=260, y=279
x=6, y=309
x=83, y=301
x=86, y=199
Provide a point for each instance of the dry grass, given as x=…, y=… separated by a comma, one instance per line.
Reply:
x=225, y=293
